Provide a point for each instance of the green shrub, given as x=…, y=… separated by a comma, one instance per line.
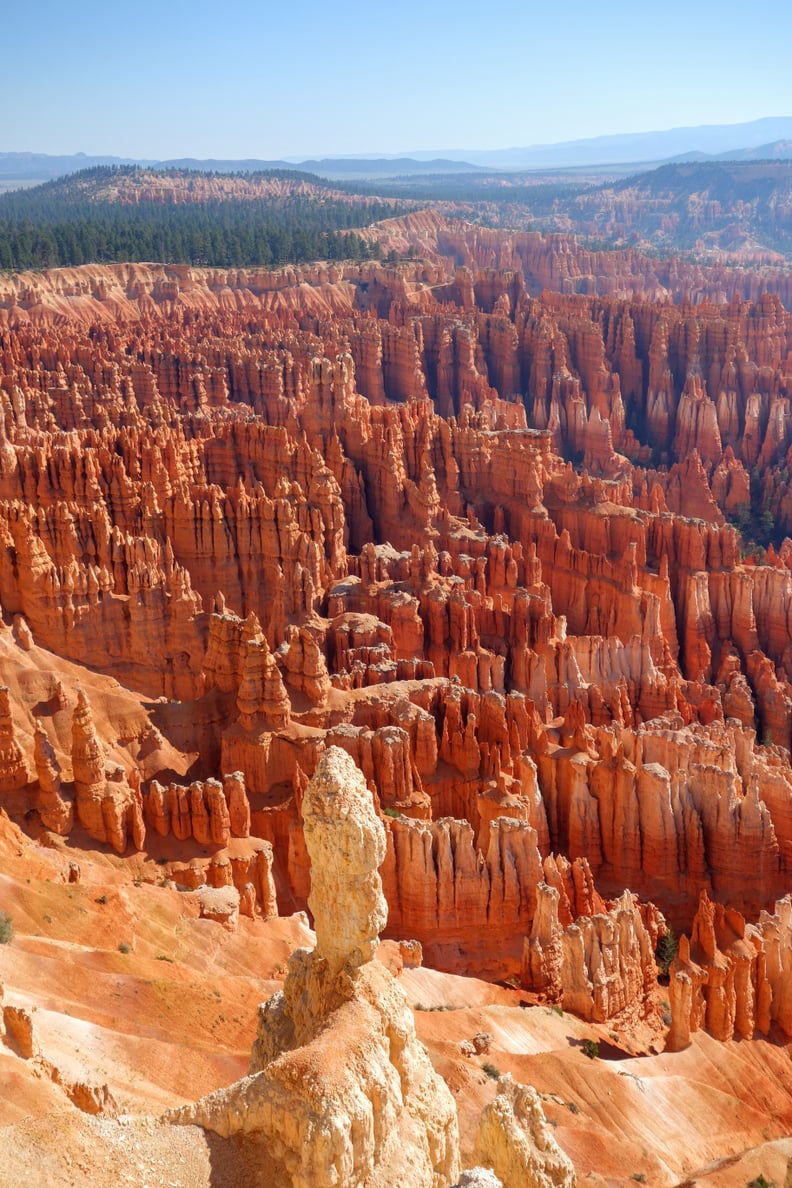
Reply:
x=591, y=1049
x=761, y=1182
x=491, y=1071
x=666, y=951
x=124, y=947
x=6, y=928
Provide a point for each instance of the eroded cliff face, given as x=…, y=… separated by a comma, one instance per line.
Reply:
x=475, y=538
x=732, y=977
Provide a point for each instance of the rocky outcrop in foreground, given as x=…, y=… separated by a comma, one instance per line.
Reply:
x=340, y=1090
x=515, y=1140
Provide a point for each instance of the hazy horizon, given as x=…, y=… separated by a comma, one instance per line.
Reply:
x=376, y=152
x=272, y=81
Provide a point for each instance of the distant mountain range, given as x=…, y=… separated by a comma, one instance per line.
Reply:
x=634, y=147
x=777, y=150
x=769, y=138
x=39, y=167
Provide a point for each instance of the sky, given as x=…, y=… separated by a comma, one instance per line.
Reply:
x=240, y=78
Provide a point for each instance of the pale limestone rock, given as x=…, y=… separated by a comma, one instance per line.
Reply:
x=220, y=904
x=515, y=1140
x=340, y=1092
x=478, y=1177
x=345, y=840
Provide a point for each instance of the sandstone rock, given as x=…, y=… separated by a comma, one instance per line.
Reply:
x=266, y=882
x=108, y=808
x=88, y=765
x=22, y=633
x=515, y=1140
x=262, y=696
x=305, y=665
x=685, y=998
x=732, y=977
x=13, y=769
x=599, y=967
x=238, y=804
x=20, y=1031
x=524, y=657
x=92, y=1099
x=478, y=1177
x=221, y=904
x=445, y=893
x=55, y=812
x=371, y=1107
x=411, y=954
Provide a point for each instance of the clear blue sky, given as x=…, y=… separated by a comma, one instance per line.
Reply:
x=239, y=78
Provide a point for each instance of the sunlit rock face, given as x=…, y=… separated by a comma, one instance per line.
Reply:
x=477, y=538
x=340, y=1089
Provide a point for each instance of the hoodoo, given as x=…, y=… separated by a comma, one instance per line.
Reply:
x=449, y=600
x=340, y=1090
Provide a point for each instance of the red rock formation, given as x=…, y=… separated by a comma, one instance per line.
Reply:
x=327, y=506
x=599, y=967
x=732, y=977
x=13, y=768
x=209, y=812
x=56, y=814
x=107, y=807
